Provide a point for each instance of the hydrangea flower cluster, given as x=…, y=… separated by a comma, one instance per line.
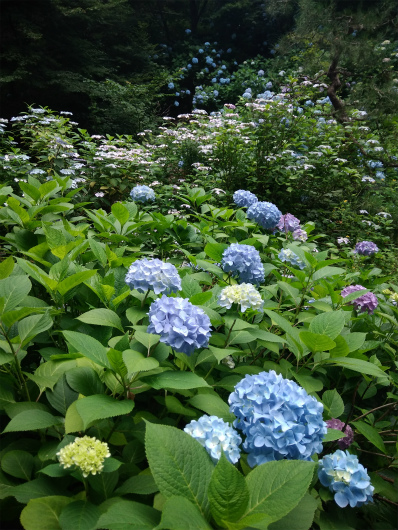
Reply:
x=346, y=478
x=300, y=235
x=278, y=417
x=142, y=194
x=393, y=297
x=86, y=453
x=243, y=198
x=153, y=274
x=179, y=323
x=244, y=262
x=345, y=441
x=289, y=256
x=288, y=223
x=244, y=294
x=367, y=302
x=215, y=434
x=265, y=214
x=366, y=248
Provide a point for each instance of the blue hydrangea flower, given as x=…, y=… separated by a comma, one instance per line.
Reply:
x=366, y=248
x=171, y=85
x=277, y=416
x=215, y=434
x=179, y=323
x=342, y=473
x=289, y=256
x=194, y=60
x=142, y=194
x=244, y=199
x=288, y=223
x=265, y=214
x=153, y=274
x=300, y=235
x=244, y=262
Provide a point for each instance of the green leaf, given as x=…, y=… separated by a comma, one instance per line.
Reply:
x=102, y=317
x=55, y=471
x=357, y=365
x=334, y=405
x=317, y=342
x=309, y=383
x=74, y=280
x=355, y=340
x=73, y=420
x=137, y=362
x=84, y=380
x=43, y=513
x=277, y=487
x=215, y=251
x=79, y=515
x=341, y=349
x=228, y=492
x=221, y=353
x=175, y=406
x=328, y=271
x=146, y=339
x=210, y=267
x=329, y=324
x=31, y=420
x=98, y=250
x=14, y=289
x=333, y=522
x=371, y=434
x=62, y=396
x=180, y=514
x=31, y=326
x=190, y=287
x=11, y=317
x=201, y=298
x=129, y=515
x=18, y=464
x=89, y=347
x=174, y=380
x=213, y=405
x=139, y=484
x=135, y=314
x=300, y=518
x=6, y=267
x=39, y=487
x=120, y=212
x=332, y=435
x=179, y=464
x=100, y=406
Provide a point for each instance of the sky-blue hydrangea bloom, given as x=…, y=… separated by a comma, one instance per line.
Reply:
x=215, y=434
x=244, y=198
x=142, y=194
x=289, y=256
x=179, y=323
x=277, y=416
x=153, y=274
x=366, y=248
x=244, y=262
x=342, y=473
x=265, y=214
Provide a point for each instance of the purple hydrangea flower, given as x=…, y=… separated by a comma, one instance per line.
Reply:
x=342, y=473
x=366, y=248
x=244, y=262
x=179, y=323
x=288, y=223
x=300, y=235
x=277, y=416
x=215, y=434
x=367, y=302
x=345, y=441
x=153, y=274
x=243, y=198
x=142, y=194
x=265, y=214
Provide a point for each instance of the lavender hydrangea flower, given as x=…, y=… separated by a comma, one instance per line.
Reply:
x=244, y=199
x=345, y=441
x=342, y=473
x=215, y=434
x=277, y=416
x=179, y=323
x=366, y=248
x=244, y=294
x=265, y=214
x=153, y=274
x=367, y=302
x=288, y=223
x=244, y=262
x=300, y=235
x=142, y=194
x=289, y=256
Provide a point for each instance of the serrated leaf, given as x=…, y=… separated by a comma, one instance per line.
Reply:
x=341, y=349
x=357, y=365
x=300, y=518
x=31, y=326
x=329, y=324
x=201, y=298
x=62, y=396
x=135, y=314
x=175, y=406
x=215, y=251
x=174, y=380
x=31, y=421
x=190, y=287
x=228, y=493
x=179, y=464
x=146, y=339
x=129, y=515
x=334, y=405
x=100, y=406
x=14, y=290
x=6, y=267
x=327, y=272
x=84, y=380
x=73, y=420
x=180, y=514
x=213, y=405
x=98, y=251
x=370, y=434
x=74, y=280
x=137, y=362
x=44, y=513
x=18, y=464
x=354, y=340
x=317, y=342
x=139, y=484
x=120, y=212
x=221, y=353
x=79, y=515
x=102, y=317
x=89, y=347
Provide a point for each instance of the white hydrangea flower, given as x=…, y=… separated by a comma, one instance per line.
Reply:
x=244, y=294
x=87, y=453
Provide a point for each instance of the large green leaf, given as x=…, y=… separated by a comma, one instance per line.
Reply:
x=43, y=513
x=129, y=515
x=212, y=404
x=328, y=271
x=79, y=515
x=300, y=518
x=215, y=251
x=180, y=514
x=62, y=396
x=137, y=362
x=31, y=421
x=6, y=267
x=39, y=487
x=89, y=347
x=371, y=434
x=175, y=380
x=31, y=326
x=98, y=407
x=354, y=340
x=357, y=365
x=329, y=324
x=102, y=317
x=190, y=287
x=139, y=484
x=317, y=342
x=334, y=405
x=228, y=492
x=84, y=380
x=74, y=280
x=179, y=464
x=18, y=464
x=14, y=289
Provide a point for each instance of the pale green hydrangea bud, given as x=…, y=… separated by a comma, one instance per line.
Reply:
x=244, y=294
x=86, y=453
